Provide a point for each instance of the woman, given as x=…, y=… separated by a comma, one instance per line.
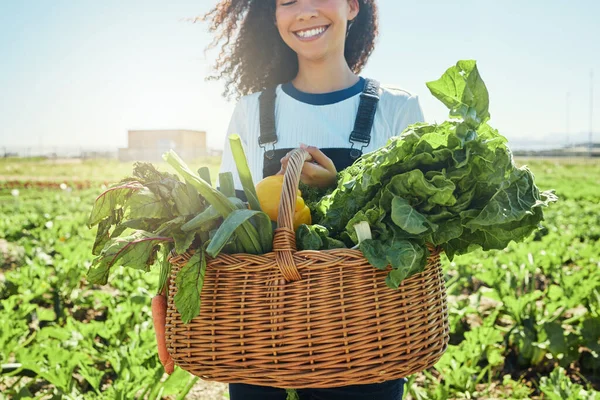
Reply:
x=296, y=66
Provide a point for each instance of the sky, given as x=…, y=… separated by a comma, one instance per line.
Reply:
x=81, y=73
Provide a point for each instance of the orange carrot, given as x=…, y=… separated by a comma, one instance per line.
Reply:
x=159, y=316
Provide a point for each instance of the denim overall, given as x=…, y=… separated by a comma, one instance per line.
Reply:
x=342, y=158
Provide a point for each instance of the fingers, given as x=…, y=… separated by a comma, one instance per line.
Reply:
x=315, y=175
x=318, y=169
x=319, y=157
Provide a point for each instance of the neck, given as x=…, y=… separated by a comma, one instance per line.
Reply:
x=323, y=76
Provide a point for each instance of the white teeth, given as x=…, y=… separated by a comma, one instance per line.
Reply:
x=311, y=33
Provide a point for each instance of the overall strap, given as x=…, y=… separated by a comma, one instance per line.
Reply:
x=268, y=135
x=363, y=123
x=365, y=116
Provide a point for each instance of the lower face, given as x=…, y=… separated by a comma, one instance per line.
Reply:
x=325, y=40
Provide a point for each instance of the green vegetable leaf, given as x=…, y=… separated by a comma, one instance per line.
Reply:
x=136, y=251
x=186, y=198
x=234, y=220
x=165, y=268
x=103, y=233
x=189, y=282
x=145, y=204
x=244, y=173
x=447, y=230
x=427, y=192
x=407, y=218
x=512, y=202
x=247, y=234
x=204, y=174
x=375, y=252
x=226, y=185
x=183, y=241
x=205, y=220
x=406, y=257
x=462, y=90
x=307, y=238
x=110, y=200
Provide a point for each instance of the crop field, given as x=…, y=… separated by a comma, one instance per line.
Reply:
x=525, y=321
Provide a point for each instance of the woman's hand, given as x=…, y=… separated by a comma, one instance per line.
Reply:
x=318, y=172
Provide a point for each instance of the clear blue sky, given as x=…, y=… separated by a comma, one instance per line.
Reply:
x=82, y=72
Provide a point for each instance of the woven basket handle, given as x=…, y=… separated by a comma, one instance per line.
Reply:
x=284, y=242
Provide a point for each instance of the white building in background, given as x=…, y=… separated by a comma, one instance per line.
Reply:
x=149, y=145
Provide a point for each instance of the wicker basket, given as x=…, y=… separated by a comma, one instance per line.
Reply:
x=299, y=319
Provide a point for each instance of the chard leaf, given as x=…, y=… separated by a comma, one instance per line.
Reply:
x=331, y=243
x=413, y=184
x=406, y=258
x=512, y=202
x=111, y=199
x=103, y=232
x=138, y=224
x=307, y=238
x=463, y=201
x=407, y=218
x=494, y=236
x=462, y=90
x=183, y=241
x=189, y=281
x=146, y=173
x=136, y=251
x=145, y=204
x=447, y=230
x=375, y=253
x=453, y=184
x=187, y=202
x=102, y=235
x=169, y=227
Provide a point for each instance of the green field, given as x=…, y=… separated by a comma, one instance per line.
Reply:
x=525, y=321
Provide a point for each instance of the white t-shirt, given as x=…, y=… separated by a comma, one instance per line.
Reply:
x=321, y=120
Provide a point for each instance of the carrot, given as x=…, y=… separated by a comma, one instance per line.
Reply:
x=159, y=317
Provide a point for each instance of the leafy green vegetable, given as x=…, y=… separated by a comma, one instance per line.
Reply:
x=452, y=185
x=316, y=237
x=204, y=173
x=485, y=290
x=190, y=280
x=404, y=256
x=246, y=233
x=137, y=251
x=244, y=171
x=226, y=184
x=232, y=222
x=165, y=269
x=110, y=200
x=145, y=204
x=202, y=220
x=153, y=213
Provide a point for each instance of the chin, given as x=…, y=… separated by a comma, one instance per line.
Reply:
x=316, y=55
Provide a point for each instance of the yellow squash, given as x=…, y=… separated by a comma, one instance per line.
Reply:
x=268, y=192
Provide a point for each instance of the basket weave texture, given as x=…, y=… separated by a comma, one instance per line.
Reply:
x=300, y=319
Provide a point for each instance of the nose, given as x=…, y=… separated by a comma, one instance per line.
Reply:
x=307, y=10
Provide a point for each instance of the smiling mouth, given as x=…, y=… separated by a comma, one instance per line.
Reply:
x=309, y=34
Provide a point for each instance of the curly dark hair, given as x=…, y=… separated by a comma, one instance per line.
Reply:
x=254, y=56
